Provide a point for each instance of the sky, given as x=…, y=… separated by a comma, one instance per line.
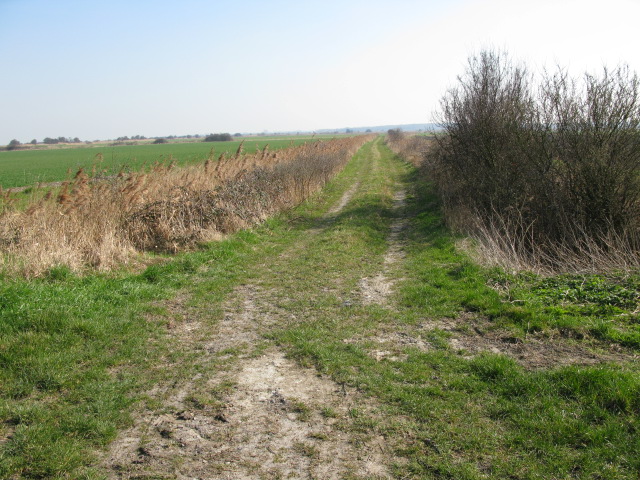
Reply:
x=106, y=69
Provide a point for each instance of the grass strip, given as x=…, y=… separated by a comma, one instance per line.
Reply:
x=450, y=412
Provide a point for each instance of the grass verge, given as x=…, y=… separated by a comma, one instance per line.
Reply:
x=452, y=409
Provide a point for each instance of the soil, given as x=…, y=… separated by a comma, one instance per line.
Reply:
x=469, y=335
x=255, y=415
x=376, y=289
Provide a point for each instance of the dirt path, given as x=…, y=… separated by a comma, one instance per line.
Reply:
x=376, y=289
x=249, y=412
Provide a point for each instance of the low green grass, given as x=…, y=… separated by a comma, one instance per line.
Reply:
x=72, y=348
x=451, y=414
x=64, y=346
x=603, y=307
x=28, y=167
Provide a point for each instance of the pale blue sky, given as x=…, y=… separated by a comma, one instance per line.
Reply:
x=103, y=69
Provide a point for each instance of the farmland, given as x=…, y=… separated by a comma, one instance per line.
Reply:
x=28, y=167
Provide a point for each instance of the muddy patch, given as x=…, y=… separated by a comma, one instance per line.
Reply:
x=470, y=335
x=391, y=345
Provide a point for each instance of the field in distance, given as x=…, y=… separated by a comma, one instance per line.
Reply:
x=28, y=167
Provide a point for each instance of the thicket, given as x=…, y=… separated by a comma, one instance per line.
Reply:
x=544, y=172
x=101, y=223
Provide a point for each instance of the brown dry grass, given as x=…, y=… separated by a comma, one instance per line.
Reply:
x=104, y=224
x=412, y=148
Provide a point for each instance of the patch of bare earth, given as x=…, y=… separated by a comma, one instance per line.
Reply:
x=470, y=335
x=344, y=200
x=376, y=289
x=244, y=411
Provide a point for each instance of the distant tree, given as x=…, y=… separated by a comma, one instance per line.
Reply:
x=395, y=134
x=76, y=140
x=368, y=130
x=50, y=141
x=348, y=130
x=13, y=144
x=218, y=137
x=34, y=142
x=160, y=140
x=62, y=140
x=237, y=134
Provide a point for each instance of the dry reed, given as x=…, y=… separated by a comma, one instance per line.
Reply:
x=106, y=223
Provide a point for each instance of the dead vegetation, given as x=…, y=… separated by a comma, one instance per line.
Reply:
x=543, y=171
x=102, y=224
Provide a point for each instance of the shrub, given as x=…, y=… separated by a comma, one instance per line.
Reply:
x=546, y=173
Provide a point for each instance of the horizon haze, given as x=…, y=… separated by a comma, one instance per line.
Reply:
x=102, y=70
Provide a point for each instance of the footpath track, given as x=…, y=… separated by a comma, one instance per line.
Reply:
x=354, y=339
x=238, y=407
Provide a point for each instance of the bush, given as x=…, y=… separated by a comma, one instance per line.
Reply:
x=13, y=145
x=395, y=135
x=550, y=169
x=158, y=141
x=218, y=137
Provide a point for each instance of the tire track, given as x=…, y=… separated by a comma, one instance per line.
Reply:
x=376, y=289
x=250, y=412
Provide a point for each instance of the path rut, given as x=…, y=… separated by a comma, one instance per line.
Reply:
x=270, y=417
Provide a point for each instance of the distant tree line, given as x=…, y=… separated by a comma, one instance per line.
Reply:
x=15, y=144
x=218, y=137
x=214, y=137
x=135, y=137
x=53, y=141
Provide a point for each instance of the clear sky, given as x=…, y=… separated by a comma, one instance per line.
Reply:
x=104, y=69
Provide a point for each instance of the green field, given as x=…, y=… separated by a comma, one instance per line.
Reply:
x=28, y=167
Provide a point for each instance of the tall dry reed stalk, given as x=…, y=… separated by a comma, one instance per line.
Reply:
x=105, y=223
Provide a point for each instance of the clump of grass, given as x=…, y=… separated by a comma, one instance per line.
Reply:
x=106, y=223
